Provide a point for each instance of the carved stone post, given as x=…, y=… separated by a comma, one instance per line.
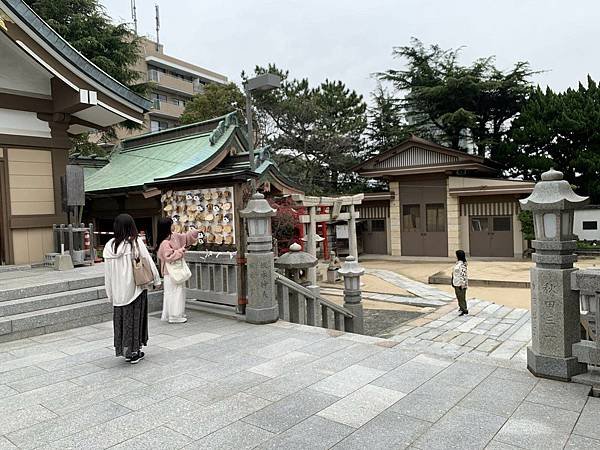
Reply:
x=262, y=305
x=295, y=265
x=311, y=243
x=352, y=272
x=554, y=306
x=352, y=242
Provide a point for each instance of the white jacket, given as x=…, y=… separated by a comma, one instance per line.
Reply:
x=459, y=275
x=118, y=272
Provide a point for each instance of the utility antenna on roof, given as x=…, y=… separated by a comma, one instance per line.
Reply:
x=157, y=28
x=134, y=16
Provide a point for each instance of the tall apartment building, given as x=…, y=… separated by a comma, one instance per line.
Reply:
x=174, y=83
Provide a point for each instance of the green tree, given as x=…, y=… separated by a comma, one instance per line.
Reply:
x=112, y=47
x=316, y=132
x=216, y=100
x=560, y=131
x=87, y=27
x=455, y=104
x=386, y=126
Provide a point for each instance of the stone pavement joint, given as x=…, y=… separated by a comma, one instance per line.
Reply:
x=218, y=383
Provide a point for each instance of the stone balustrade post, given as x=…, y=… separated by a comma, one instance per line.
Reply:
x=352, y=271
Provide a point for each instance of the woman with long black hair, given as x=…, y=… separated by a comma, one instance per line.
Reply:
x=130, y=302
x=460, y=281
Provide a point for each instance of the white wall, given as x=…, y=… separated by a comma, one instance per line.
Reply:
x=22, y=123
x=587, y=215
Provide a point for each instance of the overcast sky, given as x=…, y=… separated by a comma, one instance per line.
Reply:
x=350, y=39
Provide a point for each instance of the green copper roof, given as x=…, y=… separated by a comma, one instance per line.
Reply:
x=133, y=168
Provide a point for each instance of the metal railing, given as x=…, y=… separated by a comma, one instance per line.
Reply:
x=299, y=304
x=587, y=283
x=214, y=277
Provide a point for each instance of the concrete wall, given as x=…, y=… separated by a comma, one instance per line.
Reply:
x=466, y=182
x=518, y=241
x=394, y=222
x=464, y=234
x=587, y=215
x=453, y=223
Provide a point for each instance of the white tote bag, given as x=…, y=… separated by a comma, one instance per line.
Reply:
x=179, y=271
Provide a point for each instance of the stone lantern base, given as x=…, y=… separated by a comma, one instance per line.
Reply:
x=553, y=367
x=263, y=307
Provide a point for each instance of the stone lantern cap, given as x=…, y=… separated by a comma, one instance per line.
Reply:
x=296, y=259
x=351, y=268
x=553, y=193
x=257, y=207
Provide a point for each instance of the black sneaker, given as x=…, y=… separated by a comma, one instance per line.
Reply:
x=462, y=313
x=137, y=358
x=128, y=358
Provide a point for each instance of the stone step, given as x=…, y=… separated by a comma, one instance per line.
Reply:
x=59, y=318
x=51, y=287
x=41, y=302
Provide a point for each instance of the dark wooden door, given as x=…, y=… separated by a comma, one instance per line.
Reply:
x=435, y=238
x=502, y=237
x=412, y=230
x=423, y=211
x=375, y=237
x=479, y=236
x=491, y=236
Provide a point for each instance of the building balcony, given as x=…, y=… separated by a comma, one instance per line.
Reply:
x=167, y=109
x=171, y=83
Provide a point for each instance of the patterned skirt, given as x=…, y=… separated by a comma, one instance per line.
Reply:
x=130, y=324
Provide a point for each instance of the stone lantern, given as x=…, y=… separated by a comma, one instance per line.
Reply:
x=262, y=305
x=554, y=305
x=295, y=264
x=351, y=271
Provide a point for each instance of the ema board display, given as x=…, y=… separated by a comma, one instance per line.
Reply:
x=210, y=211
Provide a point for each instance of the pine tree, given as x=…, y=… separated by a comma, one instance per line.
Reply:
x=386, y=126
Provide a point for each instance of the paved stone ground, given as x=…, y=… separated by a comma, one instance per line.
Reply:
x=489, y=330
x=217, y=383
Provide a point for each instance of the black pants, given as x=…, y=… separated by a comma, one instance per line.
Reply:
x=130, y=323
x=461, y=296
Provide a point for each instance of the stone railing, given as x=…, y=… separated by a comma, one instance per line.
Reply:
x=214, y=277
x=298, y=304
x=587, y=282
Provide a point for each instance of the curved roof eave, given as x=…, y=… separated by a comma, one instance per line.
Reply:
x=59, y=45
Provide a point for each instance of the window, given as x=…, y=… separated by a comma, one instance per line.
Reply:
x=436, y=217
x=590, y=225
x=377, y=225
x=479, y=224
x=411, y=218
x=501, y=223
x=157, y=96
x=158, y=125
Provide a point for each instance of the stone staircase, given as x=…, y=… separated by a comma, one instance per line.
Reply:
x=52, y=306
x=35, y=302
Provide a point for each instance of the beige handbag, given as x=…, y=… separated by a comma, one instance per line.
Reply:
x=142, y=273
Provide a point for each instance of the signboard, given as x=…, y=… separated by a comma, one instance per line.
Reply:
x=210, y=211
x=341, y=231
